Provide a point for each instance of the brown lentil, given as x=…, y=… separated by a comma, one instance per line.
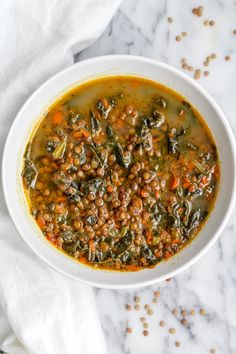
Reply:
x=129, y=330
x=150, y=312
x=197, y=74
x=206, y=22
x=172, y=330
x=162, y=323
x=192, y=312
x=100, y=171
x=137, y=299
x=128, y=307
x=145, y=333
x=170, y=19
x=202, y=312
x=206, y=73
x=198, y=11
x=137, y=307
x=177, y=344
x=175, y=312
x=227, y=58
x=184, y=322
x=178, y=38
x=145, y=325
x=157, y=293
x=212, y=351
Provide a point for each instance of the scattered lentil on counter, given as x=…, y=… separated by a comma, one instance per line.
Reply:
x=198, y=11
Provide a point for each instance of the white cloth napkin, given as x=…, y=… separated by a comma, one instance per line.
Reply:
x=42, y=312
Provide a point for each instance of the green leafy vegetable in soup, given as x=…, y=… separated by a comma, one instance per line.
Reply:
x=121, y=173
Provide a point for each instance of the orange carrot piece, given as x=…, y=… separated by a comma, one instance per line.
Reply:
x=61, y=199
x=174, y=183
x=131, y=267
x=157, y=253
x=186, y=184
x=191, y=165
x=149, y=237
x=192, y=188
x=57, y=118
x=157, y=194
x=110, y=188
x=144, y=193
x=41, y=222
x=84, y=132
x=175, y=241
x=92, y=245
x=204, y=179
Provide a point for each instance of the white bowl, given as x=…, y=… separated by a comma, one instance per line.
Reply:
x=32, y=112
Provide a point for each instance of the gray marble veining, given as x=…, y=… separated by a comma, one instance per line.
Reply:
x=141, y=28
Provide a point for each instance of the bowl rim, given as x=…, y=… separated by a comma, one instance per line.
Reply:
x=196, y=86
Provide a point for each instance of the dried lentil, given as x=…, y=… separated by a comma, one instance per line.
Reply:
x=192, y=312
x=157, y=293
x=184, y=322
x=162, y=323
x=172, y=330
x=128, y=307
x=197, y=74
x=202, y=312
x=206, y=22
x=198, y=11
x=129, y=330
x=145, y=333
x=177, y=344
x=175, y=312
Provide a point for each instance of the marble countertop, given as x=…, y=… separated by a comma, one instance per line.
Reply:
x=141, y=28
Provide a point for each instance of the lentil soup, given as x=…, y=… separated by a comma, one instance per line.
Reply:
x=121, y=173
